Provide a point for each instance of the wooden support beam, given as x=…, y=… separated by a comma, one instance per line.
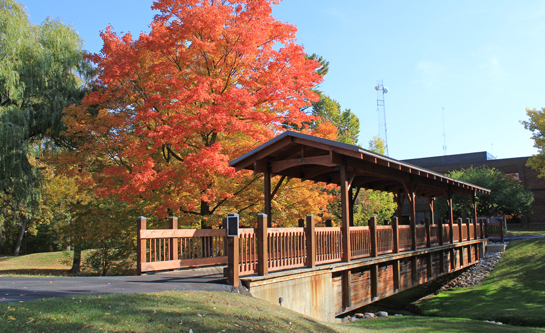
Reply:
x=440, y=234
x=311, y=242
x=374, y=282
x=452, y=260
x=345, y=214
x=428, y=233
x=442, y=262
x=373, y=235
x=267, y=194
x=460, y=234
x=262, y=245
x=279, y=166
x=474, y=206
x=277, y=187
x=395, y=227
x=414, y=271
x=396, y=275
x=140, y=244
x=448, y=197
x=429, y=268
x=347, y=289
x=173, y=242
x=468, y=227
x=412, y=201
x=431, y=202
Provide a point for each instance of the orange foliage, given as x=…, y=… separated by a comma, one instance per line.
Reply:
x=169, y=110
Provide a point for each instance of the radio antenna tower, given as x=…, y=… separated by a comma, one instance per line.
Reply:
x=381, y=110
x=444, y=135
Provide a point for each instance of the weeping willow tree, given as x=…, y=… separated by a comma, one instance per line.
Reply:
x=42, y=71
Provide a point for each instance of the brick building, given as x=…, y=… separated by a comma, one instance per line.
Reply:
x=516, y=167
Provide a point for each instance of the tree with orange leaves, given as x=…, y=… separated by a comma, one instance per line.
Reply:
x=169, y=110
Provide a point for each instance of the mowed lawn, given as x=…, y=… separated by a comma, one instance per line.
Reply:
x=513, y=293
x=202, y=312
x=41, y=264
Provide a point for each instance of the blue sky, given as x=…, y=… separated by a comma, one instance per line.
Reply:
x=483, y=61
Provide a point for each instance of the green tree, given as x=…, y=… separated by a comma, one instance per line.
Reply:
x=41, y=71
x=329, y=110
x=375, y=203
x=536, y=125
x=508, y=197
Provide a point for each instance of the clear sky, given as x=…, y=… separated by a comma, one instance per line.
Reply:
x=483, y=61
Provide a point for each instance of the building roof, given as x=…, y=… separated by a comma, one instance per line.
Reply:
x=308, y=157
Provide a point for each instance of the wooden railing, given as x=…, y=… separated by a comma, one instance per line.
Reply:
x=360, y=242
x=288, y=248
x=174, y=248
x=329, y=247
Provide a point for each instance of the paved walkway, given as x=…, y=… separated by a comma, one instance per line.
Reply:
x=16, y=289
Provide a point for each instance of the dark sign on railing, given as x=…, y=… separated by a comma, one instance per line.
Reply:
x=232, y=225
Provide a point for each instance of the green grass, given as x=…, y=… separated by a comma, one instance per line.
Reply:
x=201, y=312
x=40, y=264
x=514, y=292
x=525, y=232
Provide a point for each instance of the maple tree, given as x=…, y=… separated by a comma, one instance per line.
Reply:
x=168, y=110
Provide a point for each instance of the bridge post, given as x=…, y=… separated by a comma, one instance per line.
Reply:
x=428, y=235
x=468, y=226
x=140, y=244
x=311, y=242
x=301, y=223
x=460, y=234
x=328, y=223
x=395, y=232
x=345, y=212
x=262, y=245
x=233, y=261
x=451, y=227
x=373, y=234
x=173, y=242
x=440, y=235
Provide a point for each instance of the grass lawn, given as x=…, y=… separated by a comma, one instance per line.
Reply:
x=513, y=293
x=201, y=312
x=525, y=232
x=40, y=264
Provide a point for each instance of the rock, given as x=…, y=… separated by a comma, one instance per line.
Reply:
x=346, y=319
x=359, y=315
x=398, y=315
x=369, y=315
x=381, y=314
x=353, y=319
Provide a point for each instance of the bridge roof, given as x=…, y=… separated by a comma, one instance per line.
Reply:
x=307, y=157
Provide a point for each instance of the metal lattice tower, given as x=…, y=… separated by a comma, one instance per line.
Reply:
x=381, y=110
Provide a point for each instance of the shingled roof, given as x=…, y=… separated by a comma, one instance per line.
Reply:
x=316, y=159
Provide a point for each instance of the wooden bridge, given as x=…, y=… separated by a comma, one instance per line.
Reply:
x=327, y=271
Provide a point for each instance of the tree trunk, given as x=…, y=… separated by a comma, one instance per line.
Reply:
x=76, y=263
x=21, y=235
x=205, y=211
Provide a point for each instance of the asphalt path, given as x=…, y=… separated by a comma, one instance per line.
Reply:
x=21, y=289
